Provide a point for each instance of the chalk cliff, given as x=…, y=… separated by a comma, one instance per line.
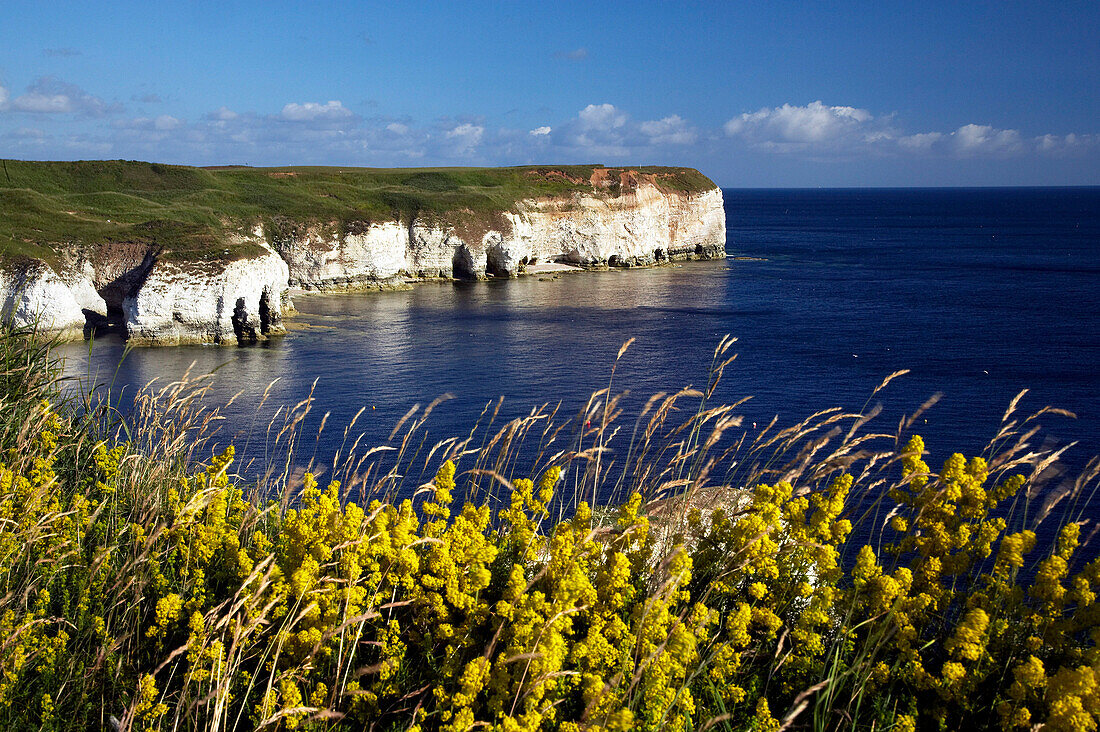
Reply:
x=644, y=226
x=238, y=302
x=599, y=218
x=35, y=296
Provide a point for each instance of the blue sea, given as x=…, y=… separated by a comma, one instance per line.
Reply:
x=978, y=293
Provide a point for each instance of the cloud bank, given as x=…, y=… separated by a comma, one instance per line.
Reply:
x=53, y=118
x=823, y=130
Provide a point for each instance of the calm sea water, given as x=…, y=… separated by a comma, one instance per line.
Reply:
x=979, y=293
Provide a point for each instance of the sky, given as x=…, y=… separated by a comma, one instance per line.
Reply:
x=753, y=94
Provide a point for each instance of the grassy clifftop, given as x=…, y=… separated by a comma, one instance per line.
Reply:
x=188, y=212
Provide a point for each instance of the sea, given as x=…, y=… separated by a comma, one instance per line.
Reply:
x=977, y=294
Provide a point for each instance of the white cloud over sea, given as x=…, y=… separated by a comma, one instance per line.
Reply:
x=985, y=139
x=795, y=127
x=822, y=130
x=54, y=118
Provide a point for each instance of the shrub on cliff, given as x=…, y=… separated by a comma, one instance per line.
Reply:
x=142, y=589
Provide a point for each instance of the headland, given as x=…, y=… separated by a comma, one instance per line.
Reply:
x=177, y=254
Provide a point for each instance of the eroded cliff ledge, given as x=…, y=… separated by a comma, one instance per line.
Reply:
x=179, y=255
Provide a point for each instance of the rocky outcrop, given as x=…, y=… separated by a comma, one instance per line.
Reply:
x=157, y=302
x=322, y=259
x=239, y=302
x=165, y=300
x=34, y=296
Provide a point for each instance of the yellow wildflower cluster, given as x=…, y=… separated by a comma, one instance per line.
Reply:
x=185, y=604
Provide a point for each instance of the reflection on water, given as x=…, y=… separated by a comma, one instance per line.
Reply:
x=526, y=340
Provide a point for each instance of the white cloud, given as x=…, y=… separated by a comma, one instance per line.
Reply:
x=668, y=131
x=53, y=96
x=599, y=130
x=1063, y=145
x=397, y=128
x=984, y=139
x=605, y=131
x=3, y=98
x=223, y=114
x=793, y=127
x=577, y=54
x=920, y=141
x=1049, y=143
x=44, y=103
x=311, y=111
x=466, y=137
x=601, y=117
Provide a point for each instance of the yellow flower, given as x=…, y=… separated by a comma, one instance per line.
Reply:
x=953, y=672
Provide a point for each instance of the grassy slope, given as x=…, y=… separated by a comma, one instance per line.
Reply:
x=187, y=212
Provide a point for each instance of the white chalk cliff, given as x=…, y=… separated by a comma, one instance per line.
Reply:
x=34, y=296
x=642, y=227
x=238, y=302
x=164, y=301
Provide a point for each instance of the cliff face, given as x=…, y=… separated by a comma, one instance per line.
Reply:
x=630, y=220
x=643, y=227
x=33, y=295
x=241, y=302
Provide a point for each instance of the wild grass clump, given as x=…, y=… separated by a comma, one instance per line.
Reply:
x=817, y=577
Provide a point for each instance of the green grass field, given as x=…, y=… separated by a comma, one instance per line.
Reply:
x=189, y=212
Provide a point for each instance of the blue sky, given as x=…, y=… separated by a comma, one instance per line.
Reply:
x=753, y=94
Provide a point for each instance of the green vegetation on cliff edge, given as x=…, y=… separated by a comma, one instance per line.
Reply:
x=188, y=213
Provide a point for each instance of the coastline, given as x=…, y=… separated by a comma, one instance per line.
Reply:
x=171, y=283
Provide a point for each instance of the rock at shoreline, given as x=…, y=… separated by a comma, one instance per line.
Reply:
x=241, y=302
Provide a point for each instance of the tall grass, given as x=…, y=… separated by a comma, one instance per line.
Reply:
x=549, y=572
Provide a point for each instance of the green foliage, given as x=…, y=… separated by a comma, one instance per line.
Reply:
x=139, y=584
